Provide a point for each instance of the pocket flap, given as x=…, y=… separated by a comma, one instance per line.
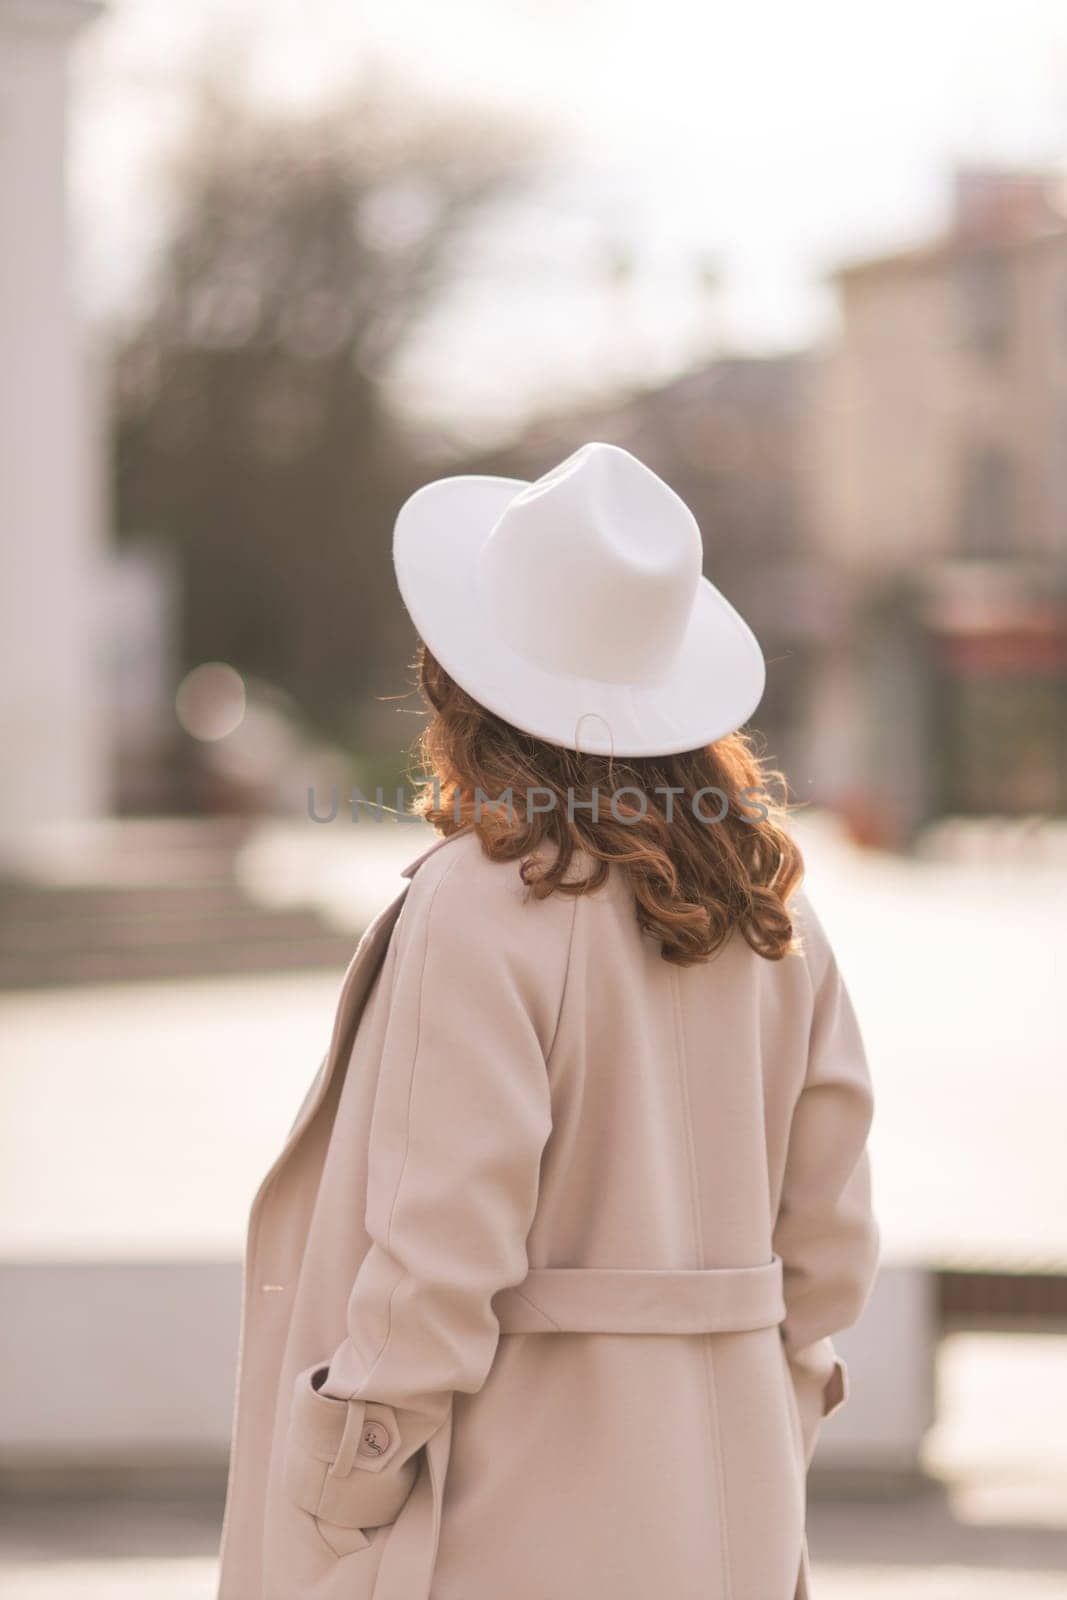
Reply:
x=337, y=1453
x=316, y=1422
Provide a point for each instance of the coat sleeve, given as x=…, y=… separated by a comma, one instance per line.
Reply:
x=461, y=1116
x=826, y=1232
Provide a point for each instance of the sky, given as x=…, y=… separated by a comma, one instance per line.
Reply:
x=735, y=153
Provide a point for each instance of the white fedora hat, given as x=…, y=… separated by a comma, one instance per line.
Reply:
x=574, y=607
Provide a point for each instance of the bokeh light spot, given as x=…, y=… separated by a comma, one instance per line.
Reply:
x=210, y=702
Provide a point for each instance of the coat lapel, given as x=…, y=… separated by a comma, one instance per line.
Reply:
x=355, y=987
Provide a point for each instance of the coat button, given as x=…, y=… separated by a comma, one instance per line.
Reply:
x=375, y=1441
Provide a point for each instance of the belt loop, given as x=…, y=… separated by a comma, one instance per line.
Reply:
x=341, y=1465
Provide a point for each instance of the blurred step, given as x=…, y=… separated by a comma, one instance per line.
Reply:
x=149, y=901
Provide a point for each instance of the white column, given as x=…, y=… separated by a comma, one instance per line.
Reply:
x=52, y=726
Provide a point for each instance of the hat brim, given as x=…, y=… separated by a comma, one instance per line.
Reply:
x=715, y=682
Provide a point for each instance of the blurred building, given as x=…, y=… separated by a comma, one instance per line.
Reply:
x=938, y=513
x=890, y=514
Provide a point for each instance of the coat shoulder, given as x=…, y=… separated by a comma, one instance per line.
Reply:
x=459, y=886
x=482, y=940
x=814, y=944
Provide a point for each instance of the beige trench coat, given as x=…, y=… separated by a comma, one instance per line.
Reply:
x=539, y=1295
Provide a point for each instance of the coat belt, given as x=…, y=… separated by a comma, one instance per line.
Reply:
x=581, y=1300
x=624, y=1300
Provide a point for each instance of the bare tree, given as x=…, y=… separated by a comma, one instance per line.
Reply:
x=253, y=431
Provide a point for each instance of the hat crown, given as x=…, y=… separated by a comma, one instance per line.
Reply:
x=592, y=570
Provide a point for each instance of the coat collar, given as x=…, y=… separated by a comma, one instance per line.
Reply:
x=413, y=866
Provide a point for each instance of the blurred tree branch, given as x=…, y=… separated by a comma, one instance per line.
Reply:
x=252, y=429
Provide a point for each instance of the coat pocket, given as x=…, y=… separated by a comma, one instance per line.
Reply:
x=820, y=1386
x=345, y=1463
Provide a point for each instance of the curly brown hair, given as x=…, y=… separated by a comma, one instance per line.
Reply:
x=695, y=874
